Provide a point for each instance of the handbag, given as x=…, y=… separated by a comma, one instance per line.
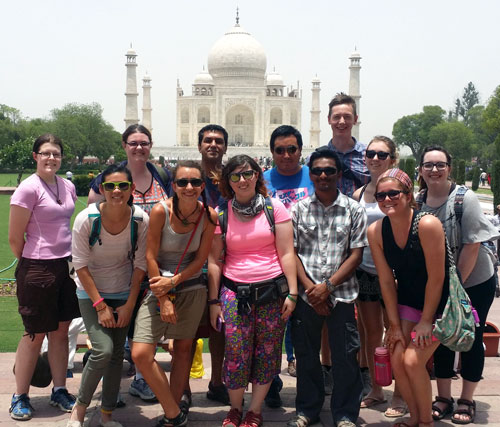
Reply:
x=456, y=327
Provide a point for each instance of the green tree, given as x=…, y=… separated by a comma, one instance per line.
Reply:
x=461, y=172
x=491, y=118
x=455, y=137
x=18, y=156
x=413, y=131
x=470, y=98
x=83, y=129
x=409, y=167
x=495, y=183
x=475, y=178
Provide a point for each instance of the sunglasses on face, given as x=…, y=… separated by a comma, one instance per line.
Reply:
x=393, y=195
x=291, y=149
x=440, y=166
x=183, y=182
x=236, y=176
x=382, y=155
x=328, y=171
x=111, y=186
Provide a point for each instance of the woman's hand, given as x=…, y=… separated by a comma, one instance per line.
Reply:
x=423, y=334
x=394, y=335
x=167, y=311
x=287, y=308
x=215, y=313
x=106, y=317
x=124, y=315
x=160, y=285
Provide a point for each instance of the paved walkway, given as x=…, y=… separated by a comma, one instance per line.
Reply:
x=206, y=413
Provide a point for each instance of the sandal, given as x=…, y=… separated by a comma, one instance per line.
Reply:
x=448, y=409
x=470, y=412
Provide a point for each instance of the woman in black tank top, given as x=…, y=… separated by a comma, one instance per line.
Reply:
x=412, y=304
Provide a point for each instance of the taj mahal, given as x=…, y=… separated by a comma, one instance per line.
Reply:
x=237, y=91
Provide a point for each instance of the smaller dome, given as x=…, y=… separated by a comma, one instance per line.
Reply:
x=203, y=78
x=131, y=52
x=355, y=54
x=274, y=79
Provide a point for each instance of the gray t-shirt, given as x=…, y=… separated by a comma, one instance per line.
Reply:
x=475, y=228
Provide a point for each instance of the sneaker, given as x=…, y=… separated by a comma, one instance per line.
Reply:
x=273, y=399
x=218, y=393
x=20, y=407
x=120, y=403
x=186, y=401
x=62, y=399
x=233, y=418
x=179, y=421
x=252, y=420
x=140, y=388
x=292, y=369
x=301, y=421
x=328, y=379
x=69, y=373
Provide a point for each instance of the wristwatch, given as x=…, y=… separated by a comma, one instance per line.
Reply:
x=329, y=285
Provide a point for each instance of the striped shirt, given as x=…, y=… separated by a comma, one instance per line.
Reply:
x=323, y=238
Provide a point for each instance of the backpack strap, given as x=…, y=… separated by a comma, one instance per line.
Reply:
x=94, y=217
x=421, y=197
x=458, y=204
x=136, y=217
x=269, y=212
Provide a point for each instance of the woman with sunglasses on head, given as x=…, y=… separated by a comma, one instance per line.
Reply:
x=380, y=156
x=255, y=257
x=110, y=265
x=152, y=185
x=418, y=265
x=40, y=238
x=439, y=195
x=179, y=239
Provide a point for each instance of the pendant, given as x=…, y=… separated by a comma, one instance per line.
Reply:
x=59, y=202
x=185, y=222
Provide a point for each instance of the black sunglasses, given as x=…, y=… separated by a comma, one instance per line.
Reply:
x=382, y=155
x=183, y=182
x=393, y=195
x=236, y=176
x=291, y=149
x=328, y=171
x=122, y=185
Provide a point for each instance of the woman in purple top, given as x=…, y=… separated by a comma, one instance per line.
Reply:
x=40, y=238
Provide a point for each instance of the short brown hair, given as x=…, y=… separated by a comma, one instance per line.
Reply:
x=342, y=98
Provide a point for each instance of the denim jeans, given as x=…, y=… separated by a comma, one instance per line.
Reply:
x=288, y=342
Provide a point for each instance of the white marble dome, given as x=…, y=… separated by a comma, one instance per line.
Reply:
x=237, y=54
x=203, y=78
x=274, y=79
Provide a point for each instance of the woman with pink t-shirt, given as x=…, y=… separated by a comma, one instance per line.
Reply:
x=40, y=238
x=256, y=262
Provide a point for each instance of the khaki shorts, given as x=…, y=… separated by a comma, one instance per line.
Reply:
x=189, y=307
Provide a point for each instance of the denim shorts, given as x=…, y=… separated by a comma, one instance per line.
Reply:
x=46, y=294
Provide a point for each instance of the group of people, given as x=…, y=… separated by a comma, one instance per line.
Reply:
x=157, y=253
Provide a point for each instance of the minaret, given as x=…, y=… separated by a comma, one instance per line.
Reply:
x=354, y=87
x=131, y=110
x=315, y=114
x=146, y=102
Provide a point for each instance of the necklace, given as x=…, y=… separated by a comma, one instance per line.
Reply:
x=184, y=219
x=56, y=194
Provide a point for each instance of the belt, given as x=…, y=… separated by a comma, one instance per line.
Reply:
x=187, y=284
x=233, y=286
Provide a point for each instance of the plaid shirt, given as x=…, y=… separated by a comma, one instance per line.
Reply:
x=323, y=238
x=353, y=161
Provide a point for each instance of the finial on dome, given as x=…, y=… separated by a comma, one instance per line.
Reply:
x=237, y=16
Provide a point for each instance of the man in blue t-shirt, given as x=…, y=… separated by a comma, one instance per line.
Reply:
x=289, y=182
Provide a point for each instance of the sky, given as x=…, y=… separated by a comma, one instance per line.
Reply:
x=414, y=53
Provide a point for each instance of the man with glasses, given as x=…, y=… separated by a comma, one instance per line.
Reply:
x=329, y=237
x=342, y=117
x=289, y=182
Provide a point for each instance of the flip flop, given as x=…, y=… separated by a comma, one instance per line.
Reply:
x=397, y=411
x=368, y=402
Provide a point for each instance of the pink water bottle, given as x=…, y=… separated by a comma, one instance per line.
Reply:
x=383, y=372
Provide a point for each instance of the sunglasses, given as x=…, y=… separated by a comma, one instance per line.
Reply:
x=440, y=166
x=393, y=195
x=291, y=149
x=382, y=155
x=329, y=171
x=183, y=182
x=112, y=186
x=236, y=176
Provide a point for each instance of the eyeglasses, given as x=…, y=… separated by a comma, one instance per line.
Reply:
x=183, y=182
x=328, y=171
x=440, y=166
x=382, y=155
x=236, y=176
x=291, y=149
x=135, y=144
x=393, y=195
x=112, y=186
x=46, y=155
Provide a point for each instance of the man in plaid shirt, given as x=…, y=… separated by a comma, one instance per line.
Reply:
x=329, y=237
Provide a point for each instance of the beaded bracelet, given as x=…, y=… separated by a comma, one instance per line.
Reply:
x=104, y=308
x=97, y=302
x=289, y=296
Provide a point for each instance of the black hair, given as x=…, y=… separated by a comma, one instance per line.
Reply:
x=137, y=128
x=324, y=152
x=119, y=169
x=285, y=130
x=50, y=138
x=212, y=128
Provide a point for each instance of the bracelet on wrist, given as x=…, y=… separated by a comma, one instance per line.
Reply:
x=294, y=295
x=104, y=308
x=213, y=301
x=289, y=296
x=97, y=302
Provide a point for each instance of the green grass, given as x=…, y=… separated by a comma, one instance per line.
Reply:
x=11, y=325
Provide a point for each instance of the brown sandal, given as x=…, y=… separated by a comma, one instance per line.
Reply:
x=470, y=411
x=442, y=412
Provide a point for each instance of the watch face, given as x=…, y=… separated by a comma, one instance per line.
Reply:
x=329, y=285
